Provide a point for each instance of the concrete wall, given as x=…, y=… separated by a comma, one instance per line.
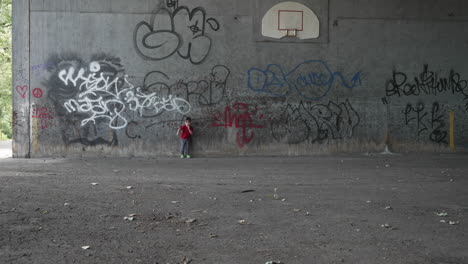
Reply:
x=117, y=77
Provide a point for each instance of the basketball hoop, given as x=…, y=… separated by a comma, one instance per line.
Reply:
x=290, y=33
x=290, y=19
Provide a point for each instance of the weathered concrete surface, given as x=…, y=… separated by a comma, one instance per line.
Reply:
x=381, y=73
x=21, y=79
x=332, y=213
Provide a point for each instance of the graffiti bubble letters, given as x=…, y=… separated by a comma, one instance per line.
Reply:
x=37, y=92
x=205, y=92
x=151, y=104
x=22, y=90
x=104, y=97
x=427, y=120
x=311, y=79
x=317, y=122
x=178, y=30
x=427, y=83
x=44, y=114
x=172, y=3
x=240, y=117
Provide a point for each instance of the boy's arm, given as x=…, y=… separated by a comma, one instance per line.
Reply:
x=190, y=130
x=178, y=131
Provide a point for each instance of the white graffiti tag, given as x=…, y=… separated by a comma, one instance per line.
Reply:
x=104, y=96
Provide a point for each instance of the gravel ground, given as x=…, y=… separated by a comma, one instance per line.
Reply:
x=322, y=209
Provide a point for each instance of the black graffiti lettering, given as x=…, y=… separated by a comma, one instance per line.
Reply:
x=419, y=115
x=209, y=91
x=438, y=136
x=175, y=29
x=172, y=3
x=427, y=83
x=194, y=28
x=315, y=122
x=394, y=85
x=407, y=112
x=457, y=85
x=410, y=89
x=437, y=124
x=427, y=121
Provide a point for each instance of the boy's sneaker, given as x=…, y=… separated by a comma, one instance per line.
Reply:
x=188, y=156
x=182, y=156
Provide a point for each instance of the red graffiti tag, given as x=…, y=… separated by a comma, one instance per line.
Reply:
x=44, y=114
x=22, y=90
x=37, y=92
x=242, y=119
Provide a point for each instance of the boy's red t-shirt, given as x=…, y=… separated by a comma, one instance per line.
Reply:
x=185, y=132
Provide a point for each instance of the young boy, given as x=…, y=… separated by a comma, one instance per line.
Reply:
x=185, y=132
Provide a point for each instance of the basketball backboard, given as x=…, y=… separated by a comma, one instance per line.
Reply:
x=290, y=19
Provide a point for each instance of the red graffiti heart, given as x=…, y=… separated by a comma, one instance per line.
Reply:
x=22, y=90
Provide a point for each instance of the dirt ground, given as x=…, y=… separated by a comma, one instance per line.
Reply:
x=323, y=209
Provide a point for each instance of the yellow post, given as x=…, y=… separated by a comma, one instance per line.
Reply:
x=452, y=141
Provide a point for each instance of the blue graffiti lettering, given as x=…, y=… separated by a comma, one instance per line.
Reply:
x=311, y=79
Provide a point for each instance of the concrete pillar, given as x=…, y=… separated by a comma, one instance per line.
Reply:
x=21, y=84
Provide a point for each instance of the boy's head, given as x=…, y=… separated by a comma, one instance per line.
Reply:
x=188, y=120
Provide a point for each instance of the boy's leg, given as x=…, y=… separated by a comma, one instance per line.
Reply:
x=182, y=146
x=188, y=146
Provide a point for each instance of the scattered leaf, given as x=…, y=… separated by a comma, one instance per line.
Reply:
x=191, y=220
x=186, y=260
x=388, y=226
x=275, y=195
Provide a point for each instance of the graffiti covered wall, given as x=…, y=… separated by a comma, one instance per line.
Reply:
x=117, y=79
